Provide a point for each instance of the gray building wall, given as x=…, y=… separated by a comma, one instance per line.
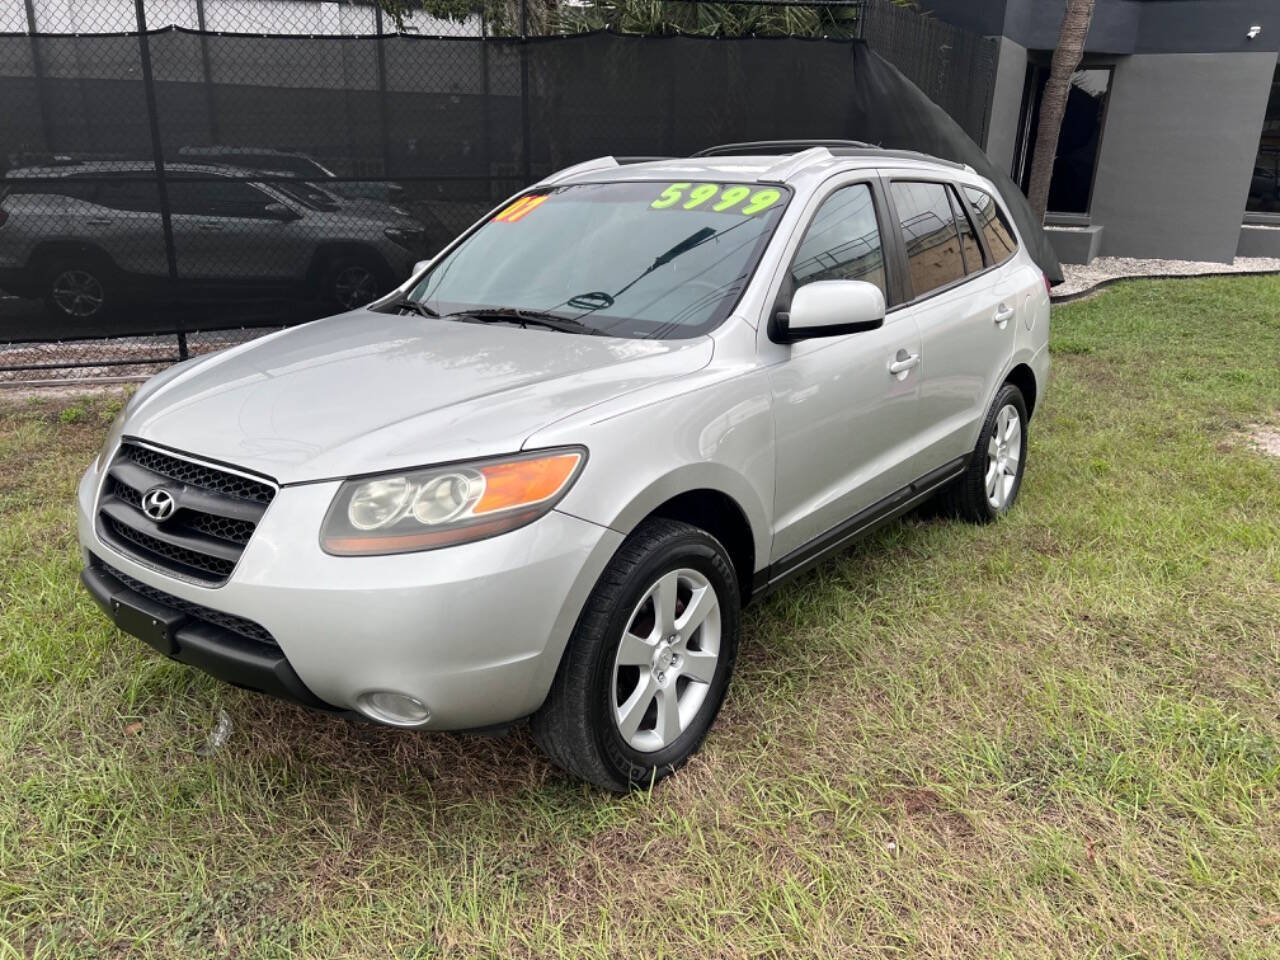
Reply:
x=1006, y=101
x=1183, y=118
x=1178, y=149
x=1123, y=26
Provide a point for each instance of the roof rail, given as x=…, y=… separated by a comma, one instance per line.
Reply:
x=838, y=148
x=789, y=166
x=774, y=146
x=599, y=163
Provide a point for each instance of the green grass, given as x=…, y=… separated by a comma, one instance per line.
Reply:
x=1058, y=736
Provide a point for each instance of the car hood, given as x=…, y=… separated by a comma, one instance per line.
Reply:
x=368, y=391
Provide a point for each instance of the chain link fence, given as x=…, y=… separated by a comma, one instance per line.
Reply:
x=181, y=175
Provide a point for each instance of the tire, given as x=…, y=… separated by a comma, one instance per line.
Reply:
x=78, y=289
x=351, y=282
x=971, y=496
x=579, y=727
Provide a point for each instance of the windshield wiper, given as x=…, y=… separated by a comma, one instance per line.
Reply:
x=417, y=306
x=537, y=318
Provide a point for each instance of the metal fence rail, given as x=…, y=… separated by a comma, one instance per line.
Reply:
x=182, y=174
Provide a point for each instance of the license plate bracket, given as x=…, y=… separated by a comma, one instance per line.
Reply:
x=151, y=623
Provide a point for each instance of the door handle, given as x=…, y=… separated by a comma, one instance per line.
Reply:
x=98, y=222
x=903, y=364
x=210, y=227
x=1004, y=313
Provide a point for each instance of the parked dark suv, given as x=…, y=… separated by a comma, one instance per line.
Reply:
x=88, y=236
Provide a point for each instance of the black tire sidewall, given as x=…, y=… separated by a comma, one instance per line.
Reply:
x=1008, y=395
x=698, y=551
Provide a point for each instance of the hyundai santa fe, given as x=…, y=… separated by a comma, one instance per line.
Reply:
x=540, y=479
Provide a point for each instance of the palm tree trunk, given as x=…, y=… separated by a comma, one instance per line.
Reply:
x=1053, y=104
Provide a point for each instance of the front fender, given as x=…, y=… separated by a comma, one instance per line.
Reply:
x=718, y=437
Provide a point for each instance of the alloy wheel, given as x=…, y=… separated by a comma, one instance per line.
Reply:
x=354, y=286
x=77, y=293
x=1004, y=454
x=666, y=660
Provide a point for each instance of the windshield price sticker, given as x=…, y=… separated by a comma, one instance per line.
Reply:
x=517, y=211
x=717, y=198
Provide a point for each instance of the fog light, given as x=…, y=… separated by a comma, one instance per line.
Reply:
x=397, y=709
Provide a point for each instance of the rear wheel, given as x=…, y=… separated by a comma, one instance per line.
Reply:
x=648, y=664
x=79, y=290
x=990, y=484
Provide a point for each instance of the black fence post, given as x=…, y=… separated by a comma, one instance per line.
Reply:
x=206, y=68
x=524, y=91
x=157, y=154
x=383, y=123
x=37, y=70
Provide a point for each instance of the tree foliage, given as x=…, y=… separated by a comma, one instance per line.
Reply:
x=649, y=17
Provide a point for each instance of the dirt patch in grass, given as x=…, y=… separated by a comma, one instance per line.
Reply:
x=1265, y=440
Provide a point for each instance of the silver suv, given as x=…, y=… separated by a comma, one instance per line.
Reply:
x=542, y=477
x=88, y=237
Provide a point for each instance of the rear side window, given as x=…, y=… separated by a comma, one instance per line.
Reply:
x=993, y=224
x=969, y=245
x=123, y=193
x=842, y=242
x=930, y=235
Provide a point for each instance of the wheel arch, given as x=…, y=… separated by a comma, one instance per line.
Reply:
x=48, y=251
x=1024, y=378
x=326, y=254
x=715, y=498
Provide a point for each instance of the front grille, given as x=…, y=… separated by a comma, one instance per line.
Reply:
x=199, y=475
x=227, y=621
x=216, y=513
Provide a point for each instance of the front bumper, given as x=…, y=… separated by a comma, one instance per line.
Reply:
x=475, y=631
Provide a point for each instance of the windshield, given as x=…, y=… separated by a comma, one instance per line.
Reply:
x=639, y=260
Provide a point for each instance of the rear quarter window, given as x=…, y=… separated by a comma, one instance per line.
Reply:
x=994, y=225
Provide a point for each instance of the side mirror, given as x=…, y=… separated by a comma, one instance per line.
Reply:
x=281, y=211
x=829, y=308
x=420, y=266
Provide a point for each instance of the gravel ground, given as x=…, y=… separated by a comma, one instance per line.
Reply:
x=1078, y=277
x=152, y=353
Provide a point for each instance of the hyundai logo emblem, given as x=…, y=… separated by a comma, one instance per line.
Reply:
x=158, y=504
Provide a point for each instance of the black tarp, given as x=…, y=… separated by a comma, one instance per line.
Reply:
x=447, y=126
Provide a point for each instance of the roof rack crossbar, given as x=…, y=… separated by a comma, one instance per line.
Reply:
x=775, y=146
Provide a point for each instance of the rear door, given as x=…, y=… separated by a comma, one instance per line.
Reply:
x=964, y=307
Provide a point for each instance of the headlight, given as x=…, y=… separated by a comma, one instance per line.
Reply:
x=442, y=506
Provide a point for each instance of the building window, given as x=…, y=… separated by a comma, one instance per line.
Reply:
x=1264, y=188
x=1071, y=185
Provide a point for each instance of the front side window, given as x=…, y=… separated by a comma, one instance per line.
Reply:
x=653, y=260
x=993, y=224
x=217, y=198
x=930, y=235
x=842, y=242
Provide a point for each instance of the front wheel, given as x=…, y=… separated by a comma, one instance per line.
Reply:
x=351, y=282
x=648, y=664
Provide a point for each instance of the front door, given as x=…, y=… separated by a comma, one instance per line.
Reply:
x=846, y=424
